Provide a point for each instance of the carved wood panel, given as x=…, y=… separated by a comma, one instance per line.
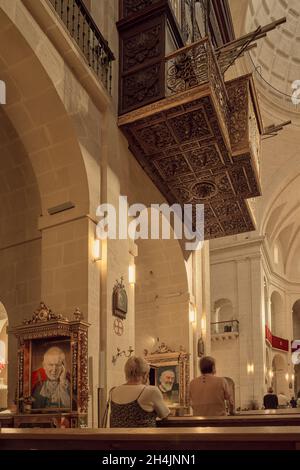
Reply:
x=132, y=7
x=142, y=49
x=182, y=148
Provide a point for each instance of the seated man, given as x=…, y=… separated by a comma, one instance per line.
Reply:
x=51, y=384
x=270, y=400
x=209, y=392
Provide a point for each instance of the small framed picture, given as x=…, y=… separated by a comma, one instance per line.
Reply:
x=171, y=376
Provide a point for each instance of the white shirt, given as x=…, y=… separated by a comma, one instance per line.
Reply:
x=150, y=400
x=282, y=400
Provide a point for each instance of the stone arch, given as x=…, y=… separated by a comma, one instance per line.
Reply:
x=56, y=138
x=37, y=107
x=279, y=369
x=223, y=311
x=296, y=319
x=161, y=294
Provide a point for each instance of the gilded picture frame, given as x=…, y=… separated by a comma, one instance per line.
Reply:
x=171, y=376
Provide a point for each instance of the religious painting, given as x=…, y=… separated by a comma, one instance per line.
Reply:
x=53, y=365
x=50, y=374
x=119, y=300
x=167, y=380
x=171, y=372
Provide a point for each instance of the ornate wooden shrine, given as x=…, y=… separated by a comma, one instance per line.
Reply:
x=52, y=368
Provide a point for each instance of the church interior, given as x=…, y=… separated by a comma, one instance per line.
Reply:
x=134, y=106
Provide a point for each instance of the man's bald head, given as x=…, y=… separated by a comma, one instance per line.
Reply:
x=54, y=361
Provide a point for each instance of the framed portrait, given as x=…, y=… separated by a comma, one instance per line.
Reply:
x=50, y=375
x=53, y=364
x=119, y=300
x=171, y=372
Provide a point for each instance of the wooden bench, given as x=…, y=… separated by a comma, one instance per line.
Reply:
x=232, y=421
x=183, y=439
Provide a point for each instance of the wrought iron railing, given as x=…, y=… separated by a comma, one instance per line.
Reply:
x=231, y=326
x=193, y=66
x=83, y=29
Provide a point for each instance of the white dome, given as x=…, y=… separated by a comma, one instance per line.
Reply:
x=278, y=55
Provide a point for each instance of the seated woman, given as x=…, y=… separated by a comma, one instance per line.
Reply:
x=136, y=404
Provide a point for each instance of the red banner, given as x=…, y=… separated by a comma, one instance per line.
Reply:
x=268, y=335
x=275, y=341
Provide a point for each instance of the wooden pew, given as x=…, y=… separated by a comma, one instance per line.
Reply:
x=163, y=439
x=232, y=421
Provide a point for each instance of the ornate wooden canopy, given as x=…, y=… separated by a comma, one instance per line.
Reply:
x=196, y=136
x=201, y=143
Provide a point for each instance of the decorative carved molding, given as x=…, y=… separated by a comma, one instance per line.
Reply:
x=131, y=7
x=46, y=325
x=162, y=349
x=43, y=314
x=141, y=87
x=238, y=122
x=83, y=373
x=142, y=46
x=78, y=315
x=180, y=142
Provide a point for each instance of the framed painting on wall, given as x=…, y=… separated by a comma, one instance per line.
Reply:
x=53, y=365
x=171, y=376
x=51, y=374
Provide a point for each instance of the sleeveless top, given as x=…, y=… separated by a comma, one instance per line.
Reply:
x=131, y=415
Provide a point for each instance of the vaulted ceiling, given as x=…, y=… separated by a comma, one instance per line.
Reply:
x=277, y=59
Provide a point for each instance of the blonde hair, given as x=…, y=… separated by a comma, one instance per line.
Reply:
x=136, y=367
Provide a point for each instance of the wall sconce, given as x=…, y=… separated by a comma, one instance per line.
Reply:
x=250, y=368
x=97, y=255
x=203, y=324
x=287, y=377
x=131, y=274
x=271, y=374
x=192, y=314
x=293, y=377
x=122, y=353
x=2, y=92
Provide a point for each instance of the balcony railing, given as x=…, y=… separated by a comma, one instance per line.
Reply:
x=193, y=66
x=231, y=326
x=85, y=32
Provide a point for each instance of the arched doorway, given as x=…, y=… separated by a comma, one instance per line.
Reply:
x=296, y=319
x=3, y=357
x=279, y=371
x=222, y=316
